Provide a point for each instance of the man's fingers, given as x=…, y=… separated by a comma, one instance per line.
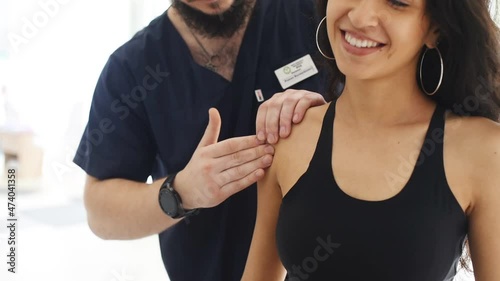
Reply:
x=212, y=131
x=211, y=192
x=308, y=101
x=243, y=156
x=272, y=118
x=237, y=186
x=237, y=178
x=238, y=172
x=287, y=112
x=276, y=116
x=260, y=123
x=233, y=145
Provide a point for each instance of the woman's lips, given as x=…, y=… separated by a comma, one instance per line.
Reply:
x=355, y=45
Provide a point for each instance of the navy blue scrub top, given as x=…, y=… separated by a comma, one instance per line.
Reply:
x=150, y=109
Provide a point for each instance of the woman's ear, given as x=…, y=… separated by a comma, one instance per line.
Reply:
x=432, y=39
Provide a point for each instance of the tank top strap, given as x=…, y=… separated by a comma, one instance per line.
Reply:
x=323, y=153
x=432, y=147
x=436, y=126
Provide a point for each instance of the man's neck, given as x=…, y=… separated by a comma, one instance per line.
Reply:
x=196, y=42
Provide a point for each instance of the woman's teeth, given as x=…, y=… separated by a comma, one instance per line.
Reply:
x=360, y=43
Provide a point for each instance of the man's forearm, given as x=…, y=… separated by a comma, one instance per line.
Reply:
x=123, y=209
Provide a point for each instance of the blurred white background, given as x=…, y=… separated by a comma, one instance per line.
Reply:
x=51, y=54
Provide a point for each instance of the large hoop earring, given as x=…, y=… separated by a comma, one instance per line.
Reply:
x=317, y=40
x=440, y=77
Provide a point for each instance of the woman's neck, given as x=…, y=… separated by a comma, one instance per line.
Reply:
x=384, y=102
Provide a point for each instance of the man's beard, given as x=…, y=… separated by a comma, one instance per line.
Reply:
x=223, y=25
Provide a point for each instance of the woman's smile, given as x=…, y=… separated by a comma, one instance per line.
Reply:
x=359, y=45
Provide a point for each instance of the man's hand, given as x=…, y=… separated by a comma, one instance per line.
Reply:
x=218, y=170
x=275, y=116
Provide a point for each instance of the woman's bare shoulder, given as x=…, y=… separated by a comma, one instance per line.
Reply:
x=473, y=135
x=309, y=127
x=474, y=142
x=293, y=154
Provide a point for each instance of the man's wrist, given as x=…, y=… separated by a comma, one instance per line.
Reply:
x=170, y=200
x=181, y=189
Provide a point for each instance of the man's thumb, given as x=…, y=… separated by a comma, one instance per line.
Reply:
x=213, y=128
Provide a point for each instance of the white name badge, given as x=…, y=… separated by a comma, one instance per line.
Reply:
x=296, y=71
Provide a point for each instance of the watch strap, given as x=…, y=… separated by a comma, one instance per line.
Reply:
x=181, y=212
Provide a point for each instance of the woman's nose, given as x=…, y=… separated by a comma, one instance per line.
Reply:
x=365, y=13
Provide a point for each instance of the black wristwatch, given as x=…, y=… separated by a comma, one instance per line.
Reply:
x=171, y=202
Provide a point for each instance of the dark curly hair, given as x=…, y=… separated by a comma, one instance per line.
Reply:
x=469, y=41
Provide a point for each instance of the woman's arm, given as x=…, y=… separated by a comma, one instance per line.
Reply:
x=484, y=230
x=263, y=262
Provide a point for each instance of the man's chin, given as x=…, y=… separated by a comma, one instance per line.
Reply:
x=214, y=21
x=211, y=7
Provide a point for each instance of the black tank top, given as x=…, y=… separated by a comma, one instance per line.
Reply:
x=323, y=234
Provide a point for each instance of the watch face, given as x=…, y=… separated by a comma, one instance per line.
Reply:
x=168, y=203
